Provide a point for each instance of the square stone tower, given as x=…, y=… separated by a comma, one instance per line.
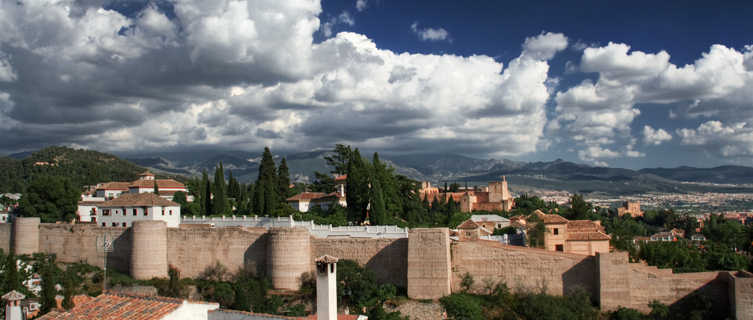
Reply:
x=326, y=288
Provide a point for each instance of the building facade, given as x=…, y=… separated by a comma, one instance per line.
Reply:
x=124, y=210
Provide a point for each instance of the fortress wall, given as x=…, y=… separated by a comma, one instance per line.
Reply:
x=386, y=257
x=635, y=285
x=74, y=243
x=741, y=295
x=521, y=269
x=5, y=236
x=193, y=249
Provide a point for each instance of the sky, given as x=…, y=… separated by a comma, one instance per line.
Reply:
x=630, y=84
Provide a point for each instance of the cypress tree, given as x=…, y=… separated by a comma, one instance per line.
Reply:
x=357, y=188
x=207, y=210
x=266, y=200
x=156, y=188
x=202, y=198
x=232, y=190
x=378, y=210
x=218, y=205
x=283, y=180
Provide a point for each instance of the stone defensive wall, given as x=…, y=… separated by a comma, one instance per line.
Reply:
x=426, y=262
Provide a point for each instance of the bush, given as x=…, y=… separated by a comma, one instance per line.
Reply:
x=462, y=306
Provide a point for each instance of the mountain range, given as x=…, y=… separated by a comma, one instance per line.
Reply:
x=441, y=168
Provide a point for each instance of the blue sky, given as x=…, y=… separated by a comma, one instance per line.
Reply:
x=638, y=84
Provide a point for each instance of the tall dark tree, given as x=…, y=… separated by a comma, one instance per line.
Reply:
x=233, y=187
x=12, y=279
x=266, y=199
x=339, y=159
x=51, y=198
x=357, y=188
x=156, y=188
x=206, y=195
x=283, y=180
x=378, y=211
x=218, y=205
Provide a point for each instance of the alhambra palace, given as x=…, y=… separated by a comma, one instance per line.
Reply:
x=429, y=263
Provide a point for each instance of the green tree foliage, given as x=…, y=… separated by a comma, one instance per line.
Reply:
x=728, y=232
x=11, y=277
x=49, y=273
x=52, y=198
x=463, y=306
x=266, y=199
x=525, y=205
x=233, y=186
x=357, y=188
x=378, y=210
x=206, y=194
x=283, y=180
x=81, y=167
x=579, y=209
x=156, y=188
x=358, y=288
x=339, y=158
x=219, y=201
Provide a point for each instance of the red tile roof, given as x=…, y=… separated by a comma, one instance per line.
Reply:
x=161, y=183
x=139, y=200
x=468, y=225
x=112, y=307
x=307, y=196
x=586, y=236
x=114, y=186
x=583, y=226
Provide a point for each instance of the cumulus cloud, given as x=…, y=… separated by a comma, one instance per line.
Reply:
x=430, y=34
x=734, y=140
x=545, y=45
x=599, y=114
x=655, y=137
x=245, y=74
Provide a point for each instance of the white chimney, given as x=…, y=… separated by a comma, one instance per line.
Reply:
x=13, y=306
x=326, y=288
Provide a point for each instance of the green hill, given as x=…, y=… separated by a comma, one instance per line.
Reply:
x=82, y=167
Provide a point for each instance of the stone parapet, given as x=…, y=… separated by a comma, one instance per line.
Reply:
x=26, y=235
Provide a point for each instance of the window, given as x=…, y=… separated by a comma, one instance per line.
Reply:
x=558, y=247
x=114, y=224
x=171, y=212
x=468, y=234
x=135, y=212
x=103, y=224
x=124, y=224
x=146, y=212
x=556, y=231
x=163, y=211
x=106, y=212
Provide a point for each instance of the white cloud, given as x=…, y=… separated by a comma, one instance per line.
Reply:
x=246, y=74
x=430, y=34
x=716, y=85
x=6, y=70
x=732, y=140
x=545, y=45
x=361, y=5
x=655, y=137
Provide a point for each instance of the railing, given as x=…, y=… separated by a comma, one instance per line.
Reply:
x=315, y=229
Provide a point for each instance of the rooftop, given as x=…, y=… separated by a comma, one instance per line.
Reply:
x=139, y=200
x=488, y=217
x=114, y=306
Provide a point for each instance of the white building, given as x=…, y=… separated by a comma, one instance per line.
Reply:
x=306, y=200
x=124, y=210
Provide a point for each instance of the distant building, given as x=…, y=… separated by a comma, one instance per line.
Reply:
x=490, y=221
x=496, y=197
x=124, y=210
x=306, y=200
x=577, y=236
x=633, y=208
x=671, y=235
x=87, y=206
x=471, y=231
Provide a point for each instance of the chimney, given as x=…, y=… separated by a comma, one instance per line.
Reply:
x=59, y=302
x=326, y=288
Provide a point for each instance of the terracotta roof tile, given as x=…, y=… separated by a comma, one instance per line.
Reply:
x=551, y=218
x=161, y=183
x=584, y=226
x=468, y=224
x=114, y=186
x=139, y=200
x=112, y=307
x=307, y=196
x=587, y=236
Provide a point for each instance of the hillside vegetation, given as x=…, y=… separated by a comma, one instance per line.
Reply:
x=81, y=167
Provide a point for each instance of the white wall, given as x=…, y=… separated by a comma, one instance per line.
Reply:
x=192, y=311
x=120, y=215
